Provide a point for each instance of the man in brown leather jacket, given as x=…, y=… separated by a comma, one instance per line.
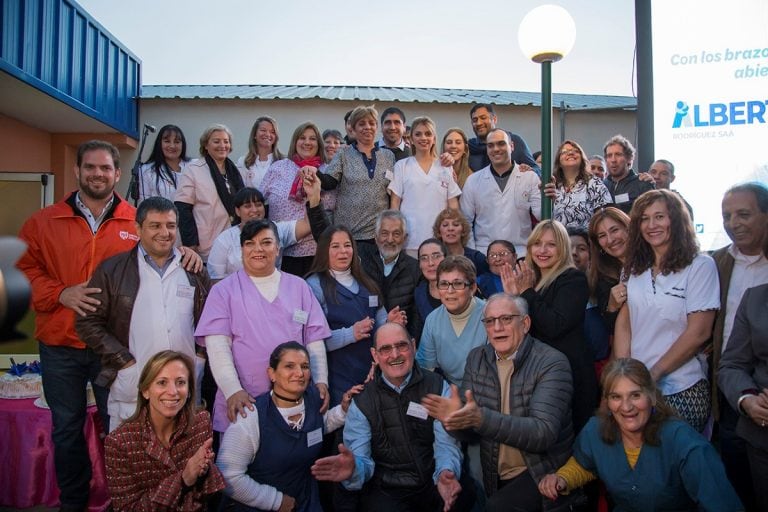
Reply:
x=148, y=302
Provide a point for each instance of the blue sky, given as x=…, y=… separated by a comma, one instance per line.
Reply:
x=450, y=44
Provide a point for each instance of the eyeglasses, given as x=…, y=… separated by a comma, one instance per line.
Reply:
x=498, y=255
x=435, y=256
x=456, y=285
x=400, y=346
x=490, y=321
x=569, y=152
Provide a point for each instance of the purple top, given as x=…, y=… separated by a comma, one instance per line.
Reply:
x=236, y=308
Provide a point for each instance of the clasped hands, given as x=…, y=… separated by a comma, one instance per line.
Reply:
x=452, y=412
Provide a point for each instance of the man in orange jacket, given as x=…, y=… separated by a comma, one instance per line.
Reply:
x=65, y=243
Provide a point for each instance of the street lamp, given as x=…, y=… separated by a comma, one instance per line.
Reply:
x=546, y=35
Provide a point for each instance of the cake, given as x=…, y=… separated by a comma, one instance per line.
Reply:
x=28, y=385
x=90, y=398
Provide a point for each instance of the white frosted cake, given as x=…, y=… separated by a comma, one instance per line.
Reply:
x=90, y=398
x=28, y=385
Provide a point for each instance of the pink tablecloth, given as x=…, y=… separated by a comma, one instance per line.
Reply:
x=27, y=474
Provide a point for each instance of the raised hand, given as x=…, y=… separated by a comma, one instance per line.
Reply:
x=197, y=465
x=335, y=468
x=440, y=407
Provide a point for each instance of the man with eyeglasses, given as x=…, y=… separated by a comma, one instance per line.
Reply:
x=399, y=456
x=517, y=400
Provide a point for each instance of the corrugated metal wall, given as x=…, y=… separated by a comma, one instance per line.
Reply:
x=55, y=46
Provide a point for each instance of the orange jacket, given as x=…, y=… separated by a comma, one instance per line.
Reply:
x=62, y=251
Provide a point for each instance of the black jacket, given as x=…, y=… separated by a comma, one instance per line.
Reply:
x=106, y=329
x=631, y=185
x=401, y=445
x=557, y=319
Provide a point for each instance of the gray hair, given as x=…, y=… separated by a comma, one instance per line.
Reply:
x=207, y=135
x=756, y=188
x=520, y=303
x=391, y=214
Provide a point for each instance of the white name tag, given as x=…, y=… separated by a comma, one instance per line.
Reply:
x=417, y=411
x=388, y=175
x=314, y=437
x=621, y=198
x=300, y=316
x=185, y=291
x=373, y=301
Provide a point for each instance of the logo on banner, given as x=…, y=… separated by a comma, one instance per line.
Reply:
x=720, y=114
x=681, y=115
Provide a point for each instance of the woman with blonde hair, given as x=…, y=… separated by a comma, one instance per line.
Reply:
x=557, y=295
x=262, y=151
x=421, y=186
x=206, y=191
x=456, y=144
x=453, y=229
x=360, y=172
x=161, y=457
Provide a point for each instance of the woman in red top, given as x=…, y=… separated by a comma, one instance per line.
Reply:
x=161, y=457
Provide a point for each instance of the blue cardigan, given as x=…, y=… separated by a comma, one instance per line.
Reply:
x=683, y=473
x=439, y=346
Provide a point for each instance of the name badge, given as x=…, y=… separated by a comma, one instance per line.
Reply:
x=315, y=437
x=300, y=316
x=621, y=198
x=185, y=291
x=388, y=175
x=417, y=411
x=373, y=301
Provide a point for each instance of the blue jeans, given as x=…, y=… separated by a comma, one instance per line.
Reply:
x=66, y=371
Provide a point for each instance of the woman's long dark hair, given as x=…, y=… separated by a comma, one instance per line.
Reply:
x=601, y=264
x=683, y=245
x=321, y=265
x=157, y=158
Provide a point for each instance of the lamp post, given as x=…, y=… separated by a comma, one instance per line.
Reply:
x=546, y=35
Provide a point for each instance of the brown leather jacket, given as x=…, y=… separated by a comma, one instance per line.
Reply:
x=106, y=329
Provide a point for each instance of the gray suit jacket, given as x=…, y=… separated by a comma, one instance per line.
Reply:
x=744, y=364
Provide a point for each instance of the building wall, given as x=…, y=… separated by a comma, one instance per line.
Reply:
x=24, y=148
x=193, y=115
x=28, y=149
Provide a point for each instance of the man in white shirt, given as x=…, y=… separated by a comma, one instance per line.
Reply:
x=147, y=303
x=499, y=199
x=741, y=265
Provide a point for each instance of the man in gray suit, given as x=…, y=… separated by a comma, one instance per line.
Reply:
x=740, y=265
x=743, y=379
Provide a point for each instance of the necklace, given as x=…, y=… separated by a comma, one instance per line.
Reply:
x=296, y=401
